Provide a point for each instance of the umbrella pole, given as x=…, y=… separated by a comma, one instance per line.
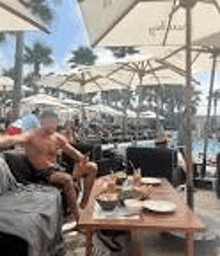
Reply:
x=83, y=109
x=188, y=124
x=18, y=72
x=138, y=109
x=158, y=124
x=207, y=123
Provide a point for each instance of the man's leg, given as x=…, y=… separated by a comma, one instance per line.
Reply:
x=89, y=173
x=64, y=181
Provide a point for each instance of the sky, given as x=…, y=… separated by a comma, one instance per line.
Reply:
x=67, y=34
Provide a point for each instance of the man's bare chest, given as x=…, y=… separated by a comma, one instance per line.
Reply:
x=44, y=145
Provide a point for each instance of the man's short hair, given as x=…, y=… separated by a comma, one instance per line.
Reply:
x=49, y=114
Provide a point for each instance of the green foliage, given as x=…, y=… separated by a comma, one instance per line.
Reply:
x=2, y=37
x=123, y=51
x=39, y=8
x=82, y=56
x=38, y=55
x=9, y=72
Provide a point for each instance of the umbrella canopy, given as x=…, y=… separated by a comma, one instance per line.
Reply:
x=175, y=57
x=42, y=100
x=14, y=16
x=150, y=115
x=131, y=114
x=156, y=22
x=105, y=109
x=53, y=80
x=92, y=79
x=138, y=70
x=82, y=80
x=6, y=83
x=25, y=88
x=71, y=102
x=127, y=21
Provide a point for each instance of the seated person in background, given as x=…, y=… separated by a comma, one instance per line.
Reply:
x=162, y=141
x=42, y=146
x=26, y=123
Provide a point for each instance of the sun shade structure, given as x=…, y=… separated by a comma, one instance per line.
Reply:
x=42, y=100
x=141, y=70
x=14, y=16
x=88, y=80
x=83, y=80
x=155, y=23
x=147, y=22
x=6, y=84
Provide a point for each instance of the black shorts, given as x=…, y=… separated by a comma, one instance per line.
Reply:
x=43, y=176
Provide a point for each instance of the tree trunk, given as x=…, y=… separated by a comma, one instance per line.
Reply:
x=18, y=72
x=215, y=113
x=37, y=69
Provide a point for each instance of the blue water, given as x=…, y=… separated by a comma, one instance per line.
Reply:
x=212, y=151
x=197, y=147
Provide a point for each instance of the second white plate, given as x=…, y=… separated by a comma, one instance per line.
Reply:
x=159, y=206
x=151, y=181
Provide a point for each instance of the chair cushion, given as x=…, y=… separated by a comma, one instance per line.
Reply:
x=7, y=180
x=154, y=162
x=19, y=166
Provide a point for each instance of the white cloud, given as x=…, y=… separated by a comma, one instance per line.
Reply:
x=104, y=56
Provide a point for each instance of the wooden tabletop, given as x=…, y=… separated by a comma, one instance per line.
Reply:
x=182, y=219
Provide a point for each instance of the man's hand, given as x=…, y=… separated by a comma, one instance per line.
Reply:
x=80, y=169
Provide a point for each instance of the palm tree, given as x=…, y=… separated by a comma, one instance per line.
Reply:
x=42, y=10
x=9, y=72
x=82, y=56
x=122, y=51
x=216, y=98
x=39, y=8
x=38, y=55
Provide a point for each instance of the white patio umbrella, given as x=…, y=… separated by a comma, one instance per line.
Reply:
x=169, y=22
x=25, y=88
x=105, y=109
x=152, y=22
x=88, y=80
x=14, y=16
x=6, y=84
x=150, y=115
x=70, y=102
x=144, y=71
x=42, y=100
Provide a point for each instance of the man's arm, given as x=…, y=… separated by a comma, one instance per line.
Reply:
x=15, y=139
x=70, y=150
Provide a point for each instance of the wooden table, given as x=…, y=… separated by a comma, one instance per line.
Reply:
x=183, y=219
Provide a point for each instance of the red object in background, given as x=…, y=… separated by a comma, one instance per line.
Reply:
x=14, y=131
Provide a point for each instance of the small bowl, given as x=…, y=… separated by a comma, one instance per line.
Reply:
x=108, y=201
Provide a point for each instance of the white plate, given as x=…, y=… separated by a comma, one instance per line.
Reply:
x=151, y=181
x=133, y=204
x=159, y=206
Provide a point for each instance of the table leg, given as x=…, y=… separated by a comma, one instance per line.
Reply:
x=135, y=247
x=189, y=244
x=89, y=243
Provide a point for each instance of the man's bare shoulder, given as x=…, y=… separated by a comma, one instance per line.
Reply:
x=33, y=134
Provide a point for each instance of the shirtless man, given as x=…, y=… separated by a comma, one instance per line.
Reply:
x=42, y=147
